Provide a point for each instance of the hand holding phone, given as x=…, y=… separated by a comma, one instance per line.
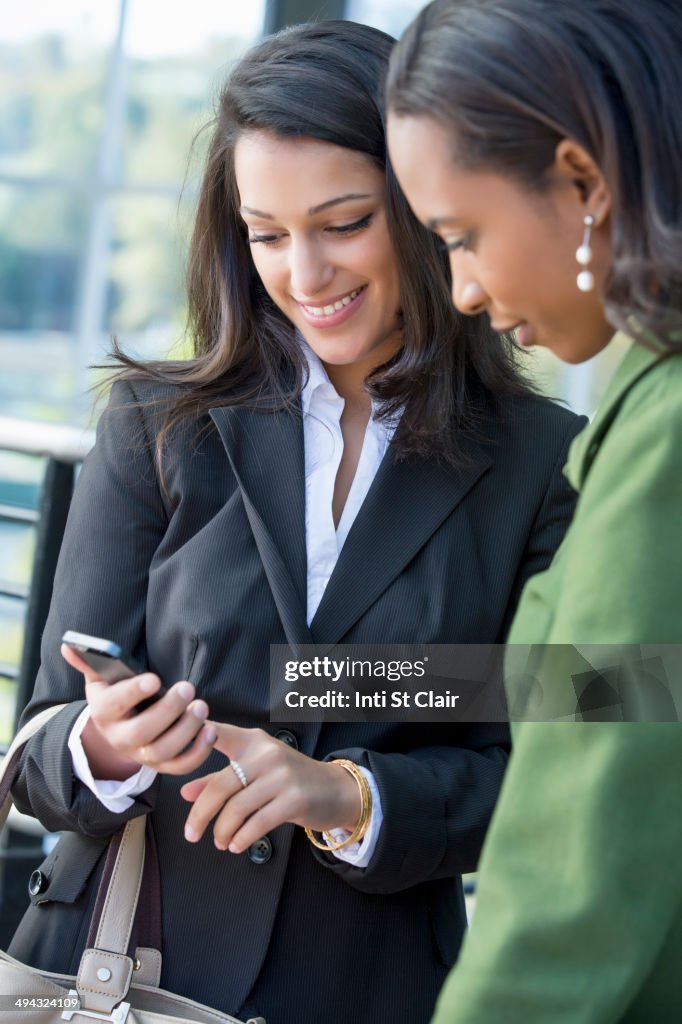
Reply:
x=108, y=660
x=172, y=737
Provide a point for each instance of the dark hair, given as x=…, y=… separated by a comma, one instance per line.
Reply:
x=512, y=78
x=324, y=81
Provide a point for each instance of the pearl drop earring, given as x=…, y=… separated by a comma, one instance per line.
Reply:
x=583, y=255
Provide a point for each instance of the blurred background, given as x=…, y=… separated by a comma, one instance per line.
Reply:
x=100, y=105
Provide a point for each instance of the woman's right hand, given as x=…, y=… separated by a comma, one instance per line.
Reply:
x=117, y=741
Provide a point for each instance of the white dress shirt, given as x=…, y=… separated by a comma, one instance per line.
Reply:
x=323, y=445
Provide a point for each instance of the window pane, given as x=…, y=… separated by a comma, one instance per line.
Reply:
x=175, y=65
x=42, y=232
x=17, y=541
x=7, y=702
x=42, y=236
x=146, y=272
x=53, y=61
x=20, y=482
x=11, y=636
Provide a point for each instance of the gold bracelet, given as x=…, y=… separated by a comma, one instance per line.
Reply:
x=360, y=829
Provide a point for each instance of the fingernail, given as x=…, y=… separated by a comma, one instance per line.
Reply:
x=200, y=710
x=147, y=684
x=191, y=835
x=233, y=848
x=219, y=845
x=209, y=737
x=186, y=691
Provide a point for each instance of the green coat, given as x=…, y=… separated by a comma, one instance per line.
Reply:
x=579, y=913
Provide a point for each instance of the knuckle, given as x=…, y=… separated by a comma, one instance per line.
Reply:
x=187, y=762
x=297, y=798
x=285, y=778
x=135, y=735
x=272, y=761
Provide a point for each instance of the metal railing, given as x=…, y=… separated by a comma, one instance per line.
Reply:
x=22, y=841
x=64, y=448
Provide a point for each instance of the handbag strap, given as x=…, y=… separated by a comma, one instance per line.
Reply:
x=147, y=927
x=119, y=890
x=125, y=878
x=10, y=762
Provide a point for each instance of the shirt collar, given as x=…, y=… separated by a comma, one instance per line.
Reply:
x=317, y=380
x=319, y=387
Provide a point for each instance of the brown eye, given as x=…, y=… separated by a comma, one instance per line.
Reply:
x=265, y=239
x=463, y=242
x=357, y=225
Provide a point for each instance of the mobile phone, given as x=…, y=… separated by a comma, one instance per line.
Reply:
x=108, y=660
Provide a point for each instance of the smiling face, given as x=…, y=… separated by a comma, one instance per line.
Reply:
x=512, y=250
x=320, y=244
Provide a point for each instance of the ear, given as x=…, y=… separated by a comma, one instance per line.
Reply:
x=574, y=164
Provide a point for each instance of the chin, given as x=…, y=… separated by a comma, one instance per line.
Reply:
x=336, y=354
x=574, y=350
x=573, y=358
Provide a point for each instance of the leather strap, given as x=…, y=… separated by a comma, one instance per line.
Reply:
x=106, y=969
x=10, y=762
x=147, y=925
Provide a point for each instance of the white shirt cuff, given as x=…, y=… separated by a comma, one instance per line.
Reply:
x=117, y=796
x=360, y=854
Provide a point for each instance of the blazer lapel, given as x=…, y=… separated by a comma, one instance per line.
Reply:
x=635, y=363
x=265, y=450
x=405, y=505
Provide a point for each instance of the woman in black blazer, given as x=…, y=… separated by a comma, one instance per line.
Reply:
x=344, y=460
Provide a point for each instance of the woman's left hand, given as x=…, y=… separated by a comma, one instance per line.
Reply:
x=283, y=786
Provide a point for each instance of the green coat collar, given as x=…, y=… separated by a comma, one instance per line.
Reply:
x=636, y=362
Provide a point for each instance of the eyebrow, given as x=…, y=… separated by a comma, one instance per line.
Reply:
x=313, y=209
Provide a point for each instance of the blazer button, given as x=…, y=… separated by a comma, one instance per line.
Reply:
x=261, y=852
x=287, y=737
x=37, y=883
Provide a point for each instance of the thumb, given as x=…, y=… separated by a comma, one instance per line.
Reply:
x=68, y=654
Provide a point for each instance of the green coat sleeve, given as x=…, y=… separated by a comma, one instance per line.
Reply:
x=579, y=915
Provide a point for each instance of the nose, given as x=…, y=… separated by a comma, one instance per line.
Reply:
x=468, y=295
x=309, y=269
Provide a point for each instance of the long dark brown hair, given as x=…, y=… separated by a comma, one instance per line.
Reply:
x=324, y=81
x=511, y=78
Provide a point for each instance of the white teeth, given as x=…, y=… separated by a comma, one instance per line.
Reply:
x=338, y=305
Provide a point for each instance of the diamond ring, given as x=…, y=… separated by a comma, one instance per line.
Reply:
x=239, y=772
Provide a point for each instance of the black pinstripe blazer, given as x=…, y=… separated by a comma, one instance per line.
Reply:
x=197, y=580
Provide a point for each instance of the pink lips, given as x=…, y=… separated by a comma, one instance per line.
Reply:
x=334, y=319
x=524, y=334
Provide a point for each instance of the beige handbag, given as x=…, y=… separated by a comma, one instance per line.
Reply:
x=103, y=990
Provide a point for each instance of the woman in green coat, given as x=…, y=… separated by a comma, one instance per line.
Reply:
x=543, y=142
